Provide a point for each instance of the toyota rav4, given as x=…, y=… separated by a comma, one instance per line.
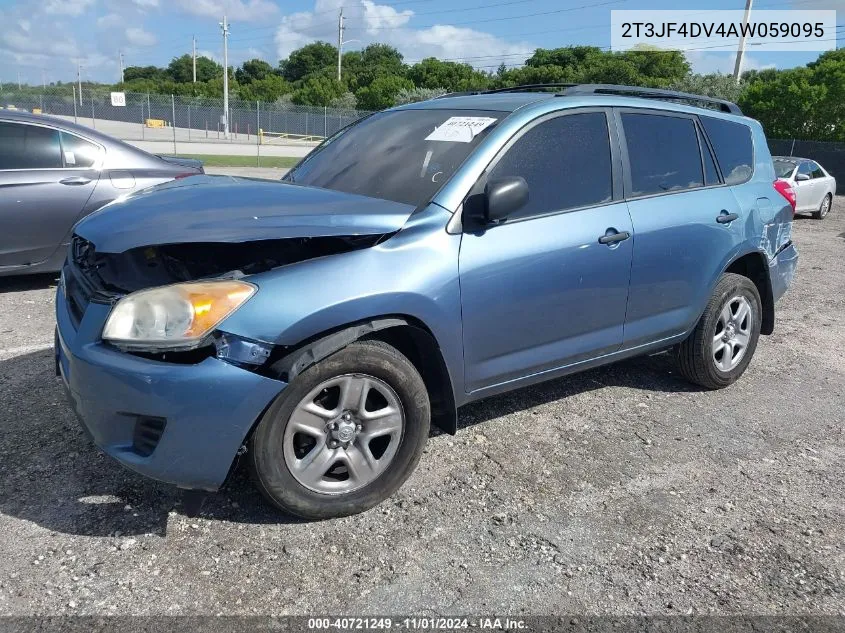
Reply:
x=422, y=258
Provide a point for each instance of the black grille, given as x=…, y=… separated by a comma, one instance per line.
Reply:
x=82, y=281
x=77, y=294
x=147, y=435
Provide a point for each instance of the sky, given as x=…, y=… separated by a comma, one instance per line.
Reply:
x=43, y=41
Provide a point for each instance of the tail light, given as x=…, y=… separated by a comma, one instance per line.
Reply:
x=786, y=190
x=187, y=174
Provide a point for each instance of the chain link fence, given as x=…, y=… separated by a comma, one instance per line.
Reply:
x=154, y=117
x=829, y=154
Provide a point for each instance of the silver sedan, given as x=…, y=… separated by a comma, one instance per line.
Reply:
x=53, y=173
x=814, y=188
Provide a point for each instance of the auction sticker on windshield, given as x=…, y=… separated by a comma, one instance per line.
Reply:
x=460, y=129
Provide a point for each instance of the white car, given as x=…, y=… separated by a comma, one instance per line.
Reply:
x=814, y=188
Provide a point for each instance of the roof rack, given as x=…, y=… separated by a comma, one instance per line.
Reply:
x=529, y=87
x=650, y=93
x=570, y=89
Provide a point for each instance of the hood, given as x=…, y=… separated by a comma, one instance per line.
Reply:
x=229, y=209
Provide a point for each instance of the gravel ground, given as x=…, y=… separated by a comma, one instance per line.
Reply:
x=622, y=490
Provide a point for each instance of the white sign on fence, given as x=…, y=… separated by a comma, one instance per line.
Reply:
x=118, y=98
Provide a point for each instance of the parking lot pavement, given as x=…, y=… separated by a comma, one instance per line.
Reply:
x=620, y=490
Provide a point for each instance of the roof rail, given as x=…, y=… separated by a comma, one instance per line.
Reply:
x=528, y=87
x=650, y=93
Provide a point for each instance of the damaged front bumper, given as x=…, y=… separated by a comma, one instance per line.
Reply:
x=182, y=424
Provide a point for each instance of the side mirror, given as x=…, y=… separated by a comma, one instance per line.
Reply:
x=801, y=177
x=504, y=197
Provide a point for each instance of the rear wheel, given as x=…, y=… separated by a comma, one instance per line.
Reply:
x=824, y=207
x=344, y=435
x=721, y=346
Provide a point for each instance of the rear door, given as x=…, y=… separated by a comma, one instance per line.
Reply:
x=685, y=220
x=820, y=184
x=804, y=189
x=46, y=178
x=540, y=291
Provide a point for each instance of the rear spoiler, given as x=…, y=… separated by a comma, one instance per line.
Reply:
x=190, y=163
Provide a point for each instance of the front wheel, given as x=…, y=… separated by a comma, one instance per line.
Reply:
x=344, y=435
x=721, y=346
x=824, y=207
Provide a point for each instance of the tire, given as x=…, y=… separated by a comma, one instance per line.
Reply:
x=824, y=208
x=698, y=358
x=276, y=453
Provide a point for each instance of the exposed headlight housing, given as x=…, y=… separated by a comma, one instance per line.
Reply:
x=177, y=317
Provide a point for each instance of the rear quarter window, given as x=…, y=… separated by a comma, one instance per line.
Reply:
x=733, y=146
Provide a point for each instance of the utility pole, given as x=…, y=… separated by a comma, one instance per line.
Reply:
x=79, y=79
x=225, y=26
x=340, y=28
x=44, y=79
x=194, y=55
x=120, y=58
x=740, y=52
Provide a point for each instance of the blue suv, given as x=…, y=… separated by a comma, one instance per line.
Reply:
x=423, y=258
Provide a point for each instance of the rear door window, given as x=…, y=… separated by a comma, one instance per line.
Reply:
x=663, y=153
x=565, y=161
x=733, y=146
x=816, y=171
x=78, y=152
x=29, y=147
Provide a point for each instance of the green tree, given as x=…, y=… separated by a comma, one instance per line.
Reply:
x=253, y=70
x=308, y=60
x=788, y=106
x=381, y=93
x=151, y=73
x=453, y=77
x=318, y=90
x=180, y=69
x=711, y=85
x=269, y=89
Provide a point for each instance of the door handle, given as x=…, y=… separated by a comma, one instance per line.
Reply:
x=613, y=238
x=724, y=217
x=75, y=180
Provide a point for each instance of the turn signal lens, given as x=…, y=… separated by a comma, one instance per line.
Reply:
x=174, y=317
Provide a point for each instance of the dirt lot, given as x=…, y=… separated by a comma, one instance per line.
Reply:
x=621, y=490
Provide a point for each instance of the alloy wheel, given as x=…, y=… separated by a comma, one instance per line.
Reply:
x=733, y=333
x=344, y=434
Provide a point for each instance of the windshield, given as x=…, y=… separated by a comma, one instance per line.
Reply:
x=404, y=155
x=783, y=168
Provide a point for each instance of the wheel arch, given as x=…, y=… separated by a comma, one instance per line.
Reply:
x=755, y=267
x=407, y=334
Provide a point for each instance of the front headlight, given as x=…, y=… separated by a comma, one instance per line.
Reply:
x=174, y=317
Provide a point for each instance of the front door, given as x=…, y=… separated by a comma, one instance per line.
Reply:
x=42, y=192
x=540, y=290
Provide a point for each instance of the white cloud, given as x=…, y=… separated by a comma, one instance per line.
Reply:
x=235, y=10
x=137, y=36
x=67, y=7
x=145, y=4
x=110, y=21
x=369, y=22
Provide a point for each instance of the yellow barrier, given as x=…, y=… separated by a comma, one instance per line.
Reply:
x=156, y=123
x=284, y=135
x=36, y=110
